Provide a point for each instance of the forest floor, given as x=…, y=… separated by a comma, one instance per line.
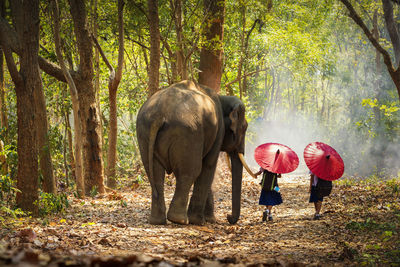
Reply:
x=360, y=225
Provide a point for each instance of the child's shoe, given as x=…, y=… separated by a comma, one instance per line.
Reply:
x=265, y=215
x=317, y=216
x=270, y=218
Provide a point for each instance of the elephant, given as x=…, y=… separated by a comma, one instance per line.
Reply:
x=182, y=129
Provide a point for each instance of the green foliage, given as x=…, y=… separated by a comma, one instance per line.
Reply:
x=8, y=190
x=394, y=185
x=49, y=203
x=123, y=203
x=369, y=224
x=94, y=191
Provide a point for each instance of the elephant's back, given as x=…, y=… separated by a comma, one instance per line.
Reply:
x=180, y=105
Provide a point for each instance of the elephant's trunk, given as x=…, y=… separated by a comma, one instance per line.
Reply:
x=237, y=172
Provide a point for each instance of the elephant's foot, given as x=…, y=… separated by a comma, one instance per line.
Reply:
x=177, y=218
x=210, y=219
x=196, y=219
x=157, y=220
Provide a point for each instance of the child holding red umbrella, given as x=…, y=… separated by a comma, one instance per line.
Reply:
x=274, y=159
x=270, y=195
x=325, y=166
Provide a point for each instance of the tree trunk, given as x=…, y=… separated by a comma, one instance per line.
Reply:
x=112, y=139
x=27, y=80
x=91, y=131
x=80, y=181
x=95, y=27
x=242, y=48
x=70, y=145
x=154, y=70
x=113, y=84
x=90, y=117
x=180, y=57
x=211, y=54
x=65, y=144
x=46, y=166
x=80, y=187
x=3, y=106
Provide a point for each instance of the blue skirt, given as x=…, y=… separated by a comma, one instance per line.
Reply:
x=314, y=195
x=270, y=198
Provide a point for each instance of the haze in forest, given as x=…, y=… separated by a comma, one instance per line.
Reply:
x=362, y=156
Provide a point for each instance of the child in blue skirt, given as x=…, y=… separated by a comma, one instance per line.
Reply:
x=314, y=198
x=270, y=195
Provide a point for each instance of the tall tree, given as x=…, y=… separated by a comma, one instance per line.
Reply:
x=113, y=82
x=392, y=28
x=41, y=124
x=78, y=171
x=181, y=71
x=27, y=80
x=83, y=79
x=211, y=54
x=3, y=107
x=92, y=157
x=42, y=129
x=154, y=69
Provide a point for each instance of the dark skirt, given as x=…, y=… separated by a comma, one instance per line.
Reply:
x=314, y=195
x=270, y=198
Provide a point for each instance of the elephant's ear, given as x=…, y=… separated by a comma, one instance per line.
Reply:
x=234, y=117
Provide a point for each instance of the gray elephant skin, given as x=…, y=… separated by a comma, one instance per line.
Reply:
x=182, y=129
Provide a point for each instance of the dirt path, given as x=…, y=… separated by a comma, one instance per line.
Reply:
x=117, y=225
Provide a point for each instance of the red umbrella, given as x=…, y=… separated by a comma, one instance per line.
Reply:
x=276, y=158
x=323, y=161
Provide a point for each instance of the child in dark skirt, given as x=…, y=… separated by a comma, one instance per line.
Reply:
x=314, y=198
x=270, y=195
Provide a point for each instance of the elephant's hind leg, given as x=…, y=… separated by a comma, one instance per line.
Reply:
x=201, y=207
x=186, y=160
x=177, y=212
x=157, y=215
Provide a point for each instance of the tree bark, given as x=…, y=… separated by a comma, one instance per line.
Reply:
x=242, y=49
x=90, y=117
x=211, y=54
x=154, y=69
x=77, y=164
x=3, y=107
x=181, y=70
x=114, y=80
x=45, y=164
x=27, y=80
x=70, y=146
x=95, y=27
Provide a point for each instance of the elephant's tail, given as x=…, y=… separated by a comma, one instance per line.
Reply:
x=155, y=127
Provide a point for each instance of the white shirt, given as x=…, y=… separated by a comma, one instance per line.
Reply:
x=315, y=181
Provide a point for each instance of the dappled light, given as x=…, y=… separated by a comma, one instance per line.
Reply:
x=199, y=133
